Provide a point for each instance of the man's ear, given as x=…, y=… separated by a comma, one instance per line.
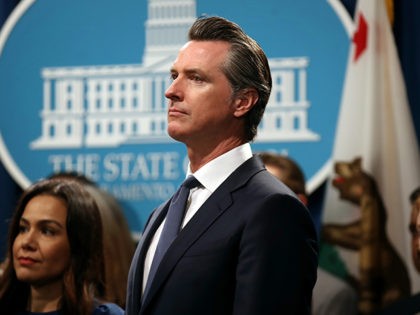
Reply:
x=244, y=101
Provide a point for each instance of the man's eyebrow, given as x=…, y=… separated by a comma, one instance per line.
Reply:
x=193, y=70
x=187, y=71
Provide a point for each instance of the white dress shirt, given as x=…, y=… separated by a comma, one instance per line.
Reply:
x=211, y=176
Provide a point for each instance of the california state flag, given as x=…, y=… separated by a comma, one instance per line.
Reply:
x=375, y=123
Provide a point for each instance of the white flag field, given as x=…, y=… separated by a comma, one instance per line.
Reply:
x=375, y=123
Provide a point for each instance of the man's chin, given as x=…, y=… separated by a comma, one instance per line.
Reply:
x=174, y=134
x=176, y=130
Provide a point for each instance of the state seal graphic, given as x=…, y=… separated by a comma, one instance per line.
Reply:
x=82, y=88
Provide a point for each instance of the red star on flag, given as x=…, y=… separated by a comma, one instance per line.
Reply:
x=360, y=37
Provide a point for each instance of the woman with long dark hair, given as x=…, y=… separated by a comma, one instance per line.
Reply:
x=55, y=259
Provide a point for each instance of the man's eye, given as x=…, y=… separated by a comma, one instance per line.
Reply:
x=173, y=76
x=196, y=78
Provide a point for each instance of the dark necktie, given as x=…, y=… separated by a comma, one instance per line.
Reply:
x=172, y=225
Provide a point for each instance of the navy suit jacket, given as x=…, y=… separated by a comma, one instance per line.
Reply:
x=250, y=249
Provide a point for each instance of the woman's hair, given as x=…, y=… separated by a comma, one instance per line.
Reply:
x=119, y=246
x=82, y=281
x=246, y=66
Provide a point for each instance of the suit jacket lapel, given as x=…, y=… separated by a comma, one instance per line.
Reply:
x=214, y=207
x=140, y=254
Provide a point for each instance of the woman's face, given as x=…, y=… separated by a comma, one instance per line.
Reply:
x=41, y=250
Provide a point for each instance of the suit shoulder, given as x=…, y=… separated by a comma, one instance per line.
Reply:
x=265, y=182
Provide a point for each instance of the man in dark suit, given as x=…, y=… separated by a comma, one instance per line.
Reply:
x=246, y=244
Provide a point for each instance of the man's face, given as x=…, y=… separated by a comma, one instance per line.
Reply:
x=415, y=233
x=200, y=97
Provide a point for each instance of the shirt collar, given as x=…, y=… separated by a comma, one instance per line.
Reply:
x=214, y=173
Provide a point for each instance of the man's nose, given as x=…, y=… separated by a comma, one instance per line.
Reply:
x=174, y=91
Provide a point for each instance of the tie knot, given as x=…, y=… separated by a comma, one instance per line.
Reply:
x=191, y=182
